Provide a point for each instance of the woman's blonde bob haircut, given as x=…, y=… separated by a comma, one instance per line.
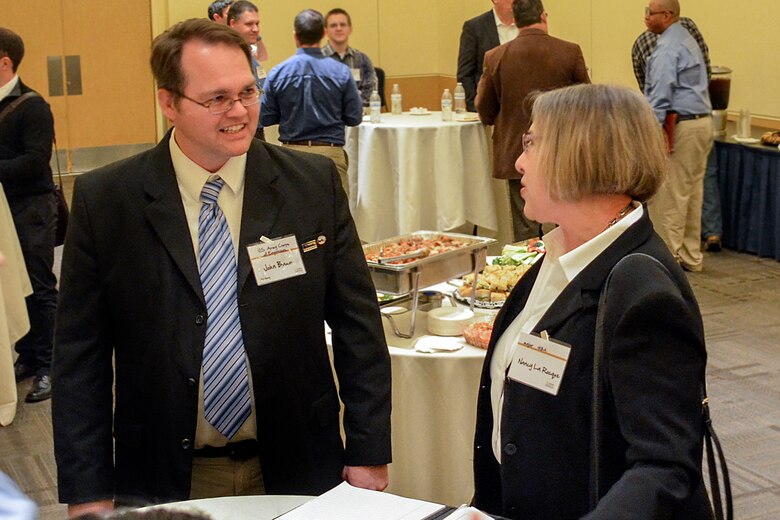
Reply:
x=598, y=140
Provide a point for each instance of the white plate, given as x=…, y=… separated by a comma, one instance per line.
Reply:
x=420, y=113
x=746, y=140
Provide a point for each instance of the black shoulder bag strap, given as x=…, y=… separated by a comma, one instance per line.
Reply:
x=15, y=103
x=711, y=441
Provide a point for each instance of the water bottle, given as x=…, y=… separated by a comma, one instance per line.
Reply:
x=446, y=105
x=375, y=106
x=395, y=100
x=460, y=99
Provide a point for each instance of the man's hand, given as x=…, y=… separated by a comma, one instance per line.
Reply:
x=366, y=477
x=99, y=508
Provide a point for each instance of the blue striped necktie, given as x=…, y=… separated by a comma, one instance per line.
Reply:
x=225, y=379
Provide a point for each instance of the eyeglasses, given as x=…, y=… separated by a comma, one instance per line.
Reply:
x=221, y=104
x=528, y=141
x=648, y=12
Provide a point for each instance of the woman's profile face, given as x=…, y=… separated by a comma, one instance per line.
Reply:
x=533, y=188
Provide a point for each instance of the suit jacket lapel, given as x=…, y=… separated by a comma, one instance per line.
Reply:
x=165, y=212
x=262, y=202
x=491, y=30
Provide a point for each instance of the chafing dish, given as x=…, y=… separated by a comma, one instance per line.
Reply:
x=429, y=270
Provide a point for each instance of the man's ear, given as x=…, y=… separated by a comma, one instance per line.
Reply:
x=167, y=101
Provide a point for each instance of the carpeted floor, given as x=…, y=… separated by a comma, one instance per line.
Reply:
x=740, y=299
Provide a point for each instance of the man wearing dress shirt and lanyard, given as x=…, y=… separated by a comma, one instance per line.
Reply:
x=676, y=81
x=222, y=378
x=479, y=35
x=311, y=97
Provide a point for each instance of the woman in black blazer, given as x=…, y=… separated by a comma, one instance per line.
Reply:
x=593, y=155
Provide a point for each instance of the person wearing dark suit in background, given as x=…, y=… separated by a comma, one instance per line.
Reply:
x=26, y=138
x=479, y=35
x=593, y=155
x=222, y=378
x=533, y=61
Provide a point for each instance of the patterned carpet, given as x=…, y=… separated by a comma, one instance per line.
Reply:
x=740, y=300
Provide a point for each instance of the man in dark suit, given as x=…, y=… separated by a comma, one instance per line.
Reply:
x=138, y=292
x=479, y=35
x=534, y=61
x=26, y=136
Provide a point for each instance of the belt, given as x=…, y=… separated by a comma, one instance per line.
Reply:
x=240, y=451
x=688, y=117
x=311, y=143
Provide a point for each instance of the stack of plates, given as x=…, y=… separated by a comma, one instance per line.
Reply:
x=449, y=321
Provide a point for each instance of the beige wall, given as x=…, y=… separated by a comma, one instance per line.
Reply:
x=417, y=40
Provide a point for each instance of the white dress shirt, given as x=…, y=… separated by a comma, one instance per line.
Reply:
x=506, y=32
x=191, y=178
x=557, y=271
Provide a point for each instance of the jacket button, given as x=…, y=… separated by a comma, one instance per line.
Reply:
x=199, y=319
x=510, y=449
x=191, y=382
x=185, y=444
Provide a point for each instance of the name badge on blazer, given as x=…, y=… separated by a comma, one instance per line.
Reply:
x=275, y=260
x=539, y=362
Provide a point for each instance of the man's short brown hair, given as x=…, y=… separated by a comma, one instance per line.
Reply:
x=338, y=10
x=598, y=140
x=11, y=45
x=167, y=49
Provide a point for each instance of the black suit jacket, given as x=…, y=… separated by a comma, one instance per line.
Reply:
x=26, y=137
x=654, y=365
x=130, y=291
x=479, y=35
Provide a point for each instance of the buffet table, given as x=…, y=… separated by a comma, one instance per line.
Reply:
x=412, y=172
x=433, y=420
x=749, y=184
x=14, y=322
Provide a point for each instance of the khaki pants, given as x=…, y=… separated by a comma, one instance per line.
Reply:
x=676, y=209
x=224, y=477
x=335, y=153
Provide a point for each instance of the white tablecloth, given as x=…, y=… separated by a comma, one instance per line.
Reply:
x=409, y=173
x=14, y=322
x=434, y=413
x=265, y=507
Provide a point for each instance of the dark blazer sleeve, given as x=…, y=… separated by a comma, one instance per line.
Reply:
x=82, y=408
x=360, y=354
x=468, y=62
x=654, y=359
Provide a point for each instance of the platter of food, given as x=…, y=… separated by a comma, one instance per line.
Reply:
x=497, y=280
